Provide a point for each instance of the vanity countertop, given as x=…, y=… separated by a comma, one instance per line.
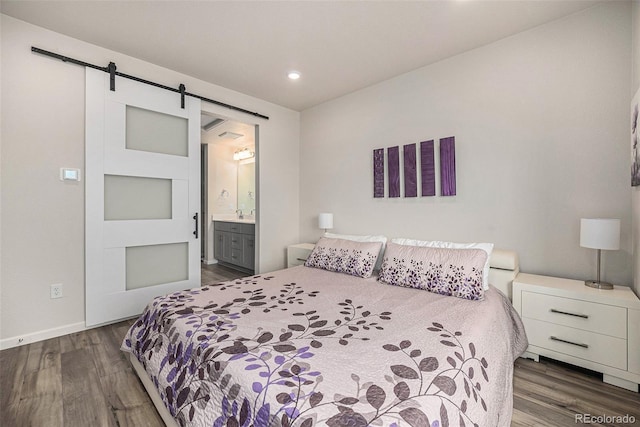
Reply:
x=235, y=219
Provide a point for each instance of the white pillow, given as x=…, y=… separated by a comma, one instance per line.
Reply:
x=357, y=238
x=487, y=247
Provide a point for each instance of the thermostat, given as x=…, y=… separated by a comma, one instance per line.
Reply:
x=68, y=174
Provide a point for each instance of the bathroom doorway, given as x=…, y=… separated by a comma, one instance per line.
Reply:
x=229, y=192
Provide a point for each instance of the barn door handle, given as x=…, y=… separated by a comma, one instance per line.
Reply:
x=195, y=217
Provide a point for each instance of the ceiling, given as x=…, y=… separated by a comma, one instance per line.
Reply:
x=218, y=133
x=337, y=46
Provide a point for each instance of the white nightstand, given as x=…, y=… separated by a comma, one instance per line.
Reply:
x=298, y=254
x=568, y=321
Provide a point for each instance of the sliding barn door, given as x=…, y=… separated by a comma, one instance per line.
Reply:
x=142, y=192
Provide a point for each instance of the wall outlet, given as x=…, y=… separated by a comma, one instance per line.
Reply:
x=56, y=290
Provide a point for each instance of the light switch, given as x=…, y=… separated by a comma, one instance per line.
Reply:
x=69, y=174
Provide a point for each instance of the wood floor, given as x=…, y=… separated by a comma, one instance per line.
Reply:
x=83, y=379
x=550, y=393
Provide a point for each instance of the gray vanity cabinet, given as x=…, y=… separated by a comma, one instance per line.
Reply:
x=248, y=251
x=234, y=244
x=221, y=245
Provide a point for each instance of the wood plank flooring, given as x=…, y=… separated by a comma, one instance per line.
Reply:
x=83, y=379
x=551, y=393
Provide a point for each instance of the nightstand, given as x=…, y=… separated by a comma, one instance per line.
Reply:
x=298, y=254
x=593, y=328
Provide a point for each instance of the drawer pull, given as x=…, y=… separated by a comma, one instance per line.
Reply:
x=301, y=259
x=584, y=316
x=568, y=342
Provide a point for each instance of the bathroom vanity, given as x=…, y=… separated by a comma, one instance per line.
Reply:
x=234, y=244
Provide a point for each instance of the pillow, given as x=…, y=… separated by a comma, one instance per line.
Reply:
x=357, y=238
x=487, y=247
x=344, y=256
x=453, y=272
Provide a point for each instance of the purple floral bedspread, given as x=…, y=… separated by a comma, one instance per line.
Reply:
x=305, y=347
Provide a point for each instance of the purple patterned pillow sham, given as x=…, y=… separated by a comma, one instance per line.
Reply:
x=454, y=272
x=344, y=256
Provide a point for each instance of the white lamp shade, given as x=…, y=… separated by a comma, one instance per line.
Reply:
x=325, y=221
x=600, y=233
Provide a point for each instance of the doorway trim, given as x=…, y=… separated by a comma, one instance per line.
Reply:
x=214, y=110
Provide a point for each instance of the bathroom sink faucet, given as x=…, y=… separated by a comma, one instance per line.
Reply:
x=239, y=213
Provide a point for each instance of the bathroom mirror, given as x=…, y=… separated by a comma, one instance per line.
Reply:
x=247, y=187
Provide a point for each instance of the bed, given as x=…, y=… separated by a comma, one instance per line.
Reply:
x=306, y=346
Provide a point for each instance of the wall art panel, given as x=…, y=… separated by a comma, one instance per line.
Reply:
x=378, y=173
x=448, y=166
x=410, y=172
x=635, y=139
x=427, y=168
x=393, y=158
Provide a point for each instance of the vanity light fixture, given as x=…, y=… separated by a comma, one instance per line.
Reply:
x=243, y=154
x=294, y=75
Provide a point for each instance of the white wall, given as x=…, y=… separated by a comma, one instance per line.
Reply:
x=222, y=176
x=42, y=228
x=222, y=193
x=542, y=139
x=635, y=191
x=0, y=173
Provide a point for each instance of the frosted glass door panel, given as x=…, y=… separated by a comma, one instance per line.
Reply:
x=136, y=198
x=156, y=264
x=156, y=132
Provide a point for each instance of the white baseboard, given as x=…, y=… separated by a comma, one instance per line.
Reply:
x=210, y=261
x=42, y=335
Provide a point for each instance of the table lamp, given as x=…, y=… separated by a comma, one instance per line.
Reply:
x=599, y=233
x=325, y=221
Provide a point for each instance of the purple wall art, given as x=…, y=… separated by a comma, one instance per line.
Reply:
x=409, y=165
x=378, y=172
x=448, y=166
x=427, y=168
x=635, y=139
x=393, y=158
x=410, y=172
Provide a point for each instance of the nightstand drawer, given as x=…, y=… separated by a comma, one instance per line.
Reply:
x=298, y=254
x=588, y=316
x=586, y=345
x=297, y=257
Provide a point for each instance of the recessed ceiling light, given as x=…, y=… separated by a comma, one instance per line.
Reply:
x=293, y=75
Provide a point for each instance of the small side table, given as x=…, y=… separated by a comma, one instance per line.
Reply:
x=593, y=328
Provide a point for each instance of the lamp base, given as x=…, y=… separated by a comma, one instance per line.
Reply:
x=598, y=285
